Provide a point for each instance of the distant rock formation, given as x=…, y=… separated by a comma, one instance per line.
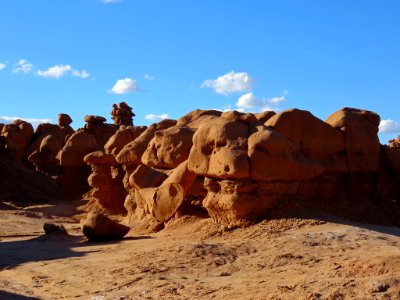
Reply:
x=234, y=167
x=242, y=167
x=122, y=114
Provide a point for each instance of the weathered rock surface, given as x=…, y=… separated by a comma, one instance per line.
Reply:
x=220, y=150
x=242, y=166
x=236, y=167
x=169, y=147
x=360, y=128
x=122, y=114
x=132, y=153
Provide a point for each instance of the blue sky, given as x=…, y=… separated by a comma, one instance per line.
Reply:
x=168, y=57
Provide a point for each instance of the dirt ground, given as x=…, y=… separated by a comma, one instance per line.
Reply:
x=290, y=258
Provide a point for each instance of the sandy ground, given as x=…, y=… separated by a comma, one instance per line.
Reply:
x=192, y=258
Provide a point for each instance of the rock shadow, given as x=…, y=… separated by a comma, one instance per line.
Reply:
x=11, y=296
x=42, y=248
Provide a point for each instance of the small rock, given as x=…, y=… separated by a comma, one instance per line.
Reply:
x=50, y=228
x=379, y=287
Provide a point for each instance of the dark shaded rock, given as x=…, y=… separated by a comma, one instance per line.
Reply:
x=98, y=227
x=58, y=229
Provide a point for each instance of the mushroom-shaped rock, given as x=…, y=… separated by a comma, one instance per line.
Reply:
x=132, y=153
x=94, y=119
x=273, y=157
x=360, y=128
x=98, y=227
x=312, y=137
x=169, y=147
x=220, y=150
x=123, y=136
x=64, y=120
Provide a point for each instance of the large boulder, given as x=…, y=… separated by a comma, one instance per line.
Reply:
x=98, y=227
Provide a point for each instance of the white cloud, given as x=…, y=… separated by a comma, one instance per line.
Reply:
x=230, y=83
x=124, y=86
x=81, y=74
x=111, y=1
x=389, y=126
x=153, y=117
x=22, y=66
x=33, y=121
x=2, y=66
x=56, y=71
x=249, y=102
x=149, y=77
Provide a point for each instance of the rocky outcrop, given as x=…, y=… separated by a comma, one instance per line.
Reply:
x=122, y=114
x=242, y=167
x=106, y=183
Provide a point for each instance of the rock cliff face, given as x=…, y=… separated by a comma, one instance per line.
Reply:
x=234, y=167
x=243, y=167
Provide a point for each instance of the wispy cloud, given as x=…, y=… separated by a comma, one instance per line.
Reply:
x=153, y=117
x=111, y=1
x=22, y=66
x=33, y=121
x=81, y=74
x=124, y=86
x=56, y=71
x=249, y=102
x=2, y=66
x=149, y=77
x=230, y=83
x=389, y=126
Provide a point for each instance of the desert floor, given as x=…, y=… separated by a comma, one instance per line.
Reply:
x=313, y=257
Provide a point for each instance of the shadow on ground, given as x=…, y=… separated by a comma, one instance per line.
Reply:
x=43, y=248
x=14, y=253
x=12, y=296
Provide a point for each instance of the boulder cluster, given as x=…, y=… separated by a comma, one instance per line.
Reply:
x=57, y=150
x=242, y=167
x=233, y=167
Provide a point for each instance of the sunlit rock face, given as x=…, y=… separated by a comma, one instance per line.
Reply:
x=239, y=168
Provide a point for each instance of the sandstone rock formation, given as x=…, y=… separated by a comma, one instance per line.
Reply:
x=241, y=167
x=106, y=182
x=122, y=114
x=232, y=166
